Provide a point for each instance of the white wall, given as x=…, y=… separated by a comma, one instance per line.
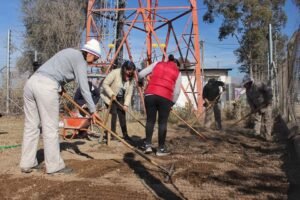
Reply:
x=182, y=100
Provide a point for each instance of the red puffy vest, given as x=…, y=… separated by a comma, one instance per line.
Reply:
x=163, y=79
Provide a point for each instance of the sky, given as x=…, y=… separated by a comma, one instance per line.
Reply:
x=217, y=53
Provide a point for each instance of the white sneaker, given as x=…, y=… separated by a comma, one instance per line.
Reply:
x=162, y=152
x=147, y=149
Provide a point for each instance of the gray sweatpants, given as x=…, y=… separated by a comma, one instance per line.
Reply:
x=41, y=105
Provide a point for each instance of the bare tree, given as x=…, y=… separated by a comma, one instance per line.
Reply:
x=50, y=27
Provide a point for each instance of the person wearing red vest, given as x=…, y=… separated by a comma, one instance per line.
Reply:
x=162, y=92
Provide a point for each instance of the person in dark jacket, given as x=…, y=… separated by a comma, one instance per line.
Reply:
x=260, y=97
x=79, y=99
x=161, y=93
x=211, y=96
x=35, y=66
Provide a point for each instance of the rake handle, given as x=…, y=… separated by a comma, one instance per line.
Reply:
x=201, y=135
x=108, y=110
x=208, y=107
x=98, y=122
x=131, y=114
x=248, y=115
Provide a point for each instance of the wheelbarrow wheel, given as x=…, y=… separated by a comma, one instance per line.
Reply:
x=95, y=133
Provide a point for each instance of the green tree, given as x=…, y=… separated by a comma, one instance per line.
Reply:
x=248, y=21
x=297, y=2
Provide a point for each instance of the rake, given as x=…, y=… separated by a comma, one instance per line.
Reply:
x=131, y=114
x=201, y=135
x=99, y=122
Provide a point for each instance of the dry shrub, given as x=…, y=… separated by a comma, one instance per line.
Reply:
x=135, y=115
x=15, y=93
x=230, y=111
x=185, y=113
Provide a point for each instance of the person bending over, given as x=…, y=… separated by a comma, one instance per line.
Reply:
x=161, y=93
x=41, y=104
x=118, y=85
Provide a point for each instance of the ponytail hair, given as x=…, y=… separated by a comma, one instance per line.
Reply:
x=171, y=58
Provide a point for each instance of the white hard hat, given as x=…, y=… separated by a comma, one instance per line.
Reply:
x=93, y=47
x=247, y=78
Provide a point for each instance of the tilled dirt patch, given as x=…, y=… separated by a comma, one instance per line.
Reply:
x=228, y=165
x=43, y=188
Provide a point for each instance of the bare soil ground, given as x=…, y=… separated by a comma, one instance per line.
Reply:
x=229, y=165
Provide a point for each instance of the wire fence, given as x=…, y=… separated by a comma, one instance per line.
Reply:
x=11, y=99
x=289, y=81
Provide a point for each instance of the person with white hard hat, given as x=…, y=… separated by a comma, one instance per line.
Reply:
x=259, y=98
x=41, y=104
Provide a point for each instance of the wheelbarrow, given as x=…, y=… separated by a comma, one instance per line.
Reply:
x=78, y=124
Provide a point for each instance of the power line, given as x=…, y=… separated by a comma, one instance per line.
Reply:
x=225, y=44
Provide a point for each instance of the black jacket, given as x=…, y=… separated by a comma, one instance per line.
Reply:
x=78, y=98
x=211, y=90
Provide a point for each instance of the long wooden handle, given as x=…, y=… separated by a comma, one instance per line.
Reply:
x=133, y=148
x=108, y=110
x=246, y=116
x=201, y=135
x=100, y=123
x=208, y=107
x=131, y=114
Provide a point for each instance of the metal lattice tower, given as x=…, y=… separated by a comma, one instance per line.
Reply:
x=151, y=29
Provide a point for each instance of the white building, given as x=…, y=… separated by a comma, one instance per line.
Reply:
x=188, y=75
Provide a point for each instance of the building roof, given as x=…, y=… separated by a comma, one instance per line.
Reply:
x=208, y=69
x=217, y=68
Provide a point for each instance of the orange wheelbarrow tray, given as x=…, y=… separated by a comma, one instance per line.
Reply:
x=76, y=122
x=81, y=124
